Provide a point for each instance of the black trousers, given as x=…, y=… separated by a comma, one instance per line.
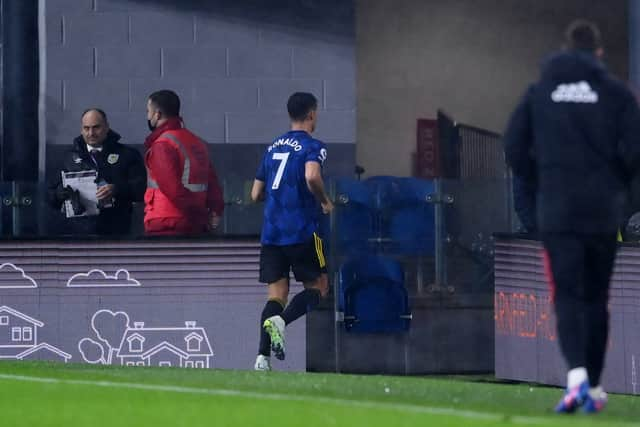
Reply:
x=581, y=267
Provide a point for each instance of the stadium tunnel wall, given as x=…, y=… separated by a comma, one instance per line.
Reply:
x=473, y=59
x=234, y=64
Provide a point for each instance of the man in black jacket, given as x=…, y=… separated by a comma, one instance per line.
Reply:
x=122, y=177
x=575, y=134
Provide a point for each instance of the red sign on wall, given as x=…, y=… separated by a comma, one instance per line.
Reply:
x=427, y=151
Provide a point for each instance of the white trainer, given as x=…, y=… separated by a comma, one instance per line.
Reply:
x=274, y=326
x=262, y=363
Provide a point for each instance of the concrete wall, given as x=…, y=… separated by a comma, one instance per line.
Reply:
x=234, y=64
x=471, y=58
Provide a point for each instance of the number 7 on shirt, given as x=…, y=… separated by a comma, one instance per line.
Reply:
x=282, y=157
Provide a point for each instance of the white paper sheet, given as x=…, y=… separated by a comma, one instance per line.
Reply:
x=85, y=183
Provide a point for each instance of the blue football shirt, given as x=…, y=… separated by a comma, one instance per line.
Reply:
x=291, y=212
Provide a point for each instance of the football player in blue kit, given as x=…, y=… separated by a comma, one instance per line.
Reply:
x=289, y=180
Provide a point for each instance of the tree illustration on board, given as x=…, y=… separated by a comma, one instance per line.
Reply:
x=109, y=327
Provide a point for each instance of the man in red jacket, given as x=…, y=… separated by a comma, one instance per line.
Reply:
x=183, y=195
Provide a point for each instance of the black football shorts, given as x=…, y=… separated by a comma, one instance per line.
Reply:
x=305, y=259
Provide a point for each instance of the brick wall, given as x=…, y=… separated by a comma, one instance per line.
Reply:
x=233, y=64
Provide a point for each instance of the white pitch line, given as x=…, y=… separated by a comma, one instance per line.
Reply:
x=418, y=409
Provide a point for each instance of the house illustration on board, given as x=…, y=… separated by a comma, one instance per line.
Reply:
x=19, y=338
x=186, y=347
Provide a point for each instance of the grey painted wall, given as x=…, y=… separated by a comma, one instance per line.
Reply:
x=233, y=63
x=472, y=58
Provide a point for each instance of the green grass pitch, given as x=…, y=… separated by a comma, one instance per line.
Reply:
x=38, y=394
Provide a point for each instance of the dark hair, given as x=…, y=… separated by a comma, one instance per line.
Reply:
x=97, y=110
x=300, y=104
x=167, y=101
x=583, y=35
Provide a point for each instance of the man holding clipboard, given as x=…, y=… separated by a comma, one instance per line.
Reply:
x=98, y=163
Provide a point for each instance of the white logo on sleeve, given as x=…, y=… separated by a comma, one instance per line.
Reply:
x=323, y=155
x=580, y=92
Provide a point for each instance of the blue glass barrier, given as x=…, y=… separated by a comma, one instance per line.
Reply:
x=25, y=211
x=372, y=295
x=354, y=217
x=412, y=218
x=384, y=213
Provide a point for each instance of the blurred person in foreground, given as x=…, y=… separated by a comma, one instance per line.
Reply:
x=121, y=177
x=183, y=196
x=289, y=180
x=575, y=133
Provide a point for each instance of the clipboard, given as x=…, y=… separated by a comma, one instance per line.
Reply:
x=85, y=183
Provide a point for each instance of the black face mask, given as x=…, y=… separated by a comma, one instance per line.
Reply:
x=151, y=127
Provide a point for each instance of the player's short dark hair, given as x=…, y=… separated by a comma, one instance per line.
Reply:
x=583, y=35
x=97, y=110
x=300, y=104
x=167, y=101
